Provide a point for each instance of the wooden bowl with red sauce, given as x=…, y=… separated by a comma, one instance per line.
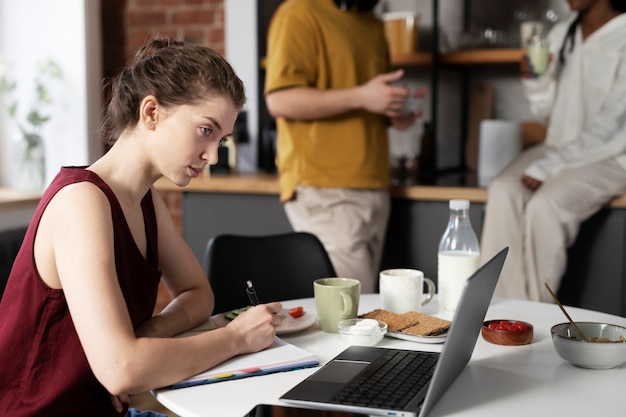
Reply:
x=507, y=332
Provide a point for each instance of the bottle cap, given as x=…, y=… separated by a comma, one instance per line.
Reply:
x=459, y=204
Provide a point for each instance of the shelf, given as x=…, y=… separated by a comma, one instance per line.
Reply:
x=416, y=59
x=483, y=56
x=464, y=57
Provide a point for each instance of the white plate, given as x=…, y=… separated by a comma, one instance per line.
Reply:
x=289, y=324
x=420, y=339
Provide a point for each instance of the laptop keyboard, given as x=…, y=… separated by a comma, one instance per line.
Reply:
x=391, y=381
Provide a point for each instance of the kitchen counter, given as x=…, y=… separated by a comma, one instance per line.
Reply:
x=248, y=204
x=264, y=183
x=11, y=198
x=16, y=210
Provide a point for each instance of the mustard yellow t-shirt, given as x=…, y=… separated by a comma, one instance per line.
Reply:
x=313, y=43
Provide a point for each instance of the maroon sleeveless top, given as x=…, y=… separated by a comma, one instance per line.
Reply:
x=43, y=368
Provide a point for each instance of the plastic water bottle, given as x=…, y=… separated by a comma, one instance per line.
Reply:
x=458, y=255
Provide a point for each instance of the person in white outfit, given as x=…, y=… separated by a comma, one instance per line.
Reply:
x=536, y=205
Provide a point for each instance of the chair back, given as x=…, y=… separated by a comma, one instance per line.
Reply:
x=282, y=267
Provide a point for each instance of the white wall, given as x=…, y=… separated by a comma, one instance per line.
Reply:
x=68, y=31
x=240, y=24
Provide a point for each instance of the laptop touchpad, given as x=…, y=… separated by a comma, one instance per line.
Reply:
x=338, y=371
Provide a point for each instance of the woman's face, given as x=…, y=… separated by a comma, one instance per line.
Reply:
x=189, y=135
x=581, y=5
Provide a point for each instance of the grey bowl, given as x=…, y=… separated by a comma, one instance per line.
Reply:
x=590, y=353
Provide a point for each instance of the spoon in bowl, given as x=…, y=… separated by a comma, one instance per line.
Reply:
x=556, y=300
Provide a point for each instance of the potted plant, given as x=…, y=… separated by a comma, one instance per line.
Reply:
x=31, y=157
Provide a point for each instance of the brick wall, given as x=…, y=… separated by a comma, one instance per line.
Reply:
x=128, y=24
x=200, y=20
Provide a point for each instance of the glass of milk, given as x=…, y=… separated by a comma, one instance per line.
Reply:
x=538, y=54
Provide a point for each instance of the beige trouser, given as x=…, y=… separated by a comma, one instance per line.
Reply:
x=539, y=226
x=351, y=224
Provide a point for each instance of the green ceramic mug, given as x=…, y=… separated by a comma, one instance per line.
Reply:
x=336, y=299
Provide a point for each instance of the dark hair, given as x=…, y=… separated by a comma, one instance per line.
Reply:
x=176, y=73
x=617, y=5
x=569, y=37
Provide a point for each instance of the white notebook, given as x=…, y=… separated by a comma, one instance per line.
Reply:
x=280, y=356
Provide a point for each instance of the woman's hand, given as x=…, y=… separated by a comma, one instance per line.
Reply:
x=530, y=182
x=257, y=326
x=119, y=401
x=526, y=67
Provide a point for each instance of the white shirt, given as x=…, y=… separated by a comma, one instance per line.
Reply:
x=583, y=100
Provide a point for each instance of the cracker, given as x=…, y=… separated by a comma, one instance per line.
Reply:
x=410, y=322
x=395, y=322
x=428, y=326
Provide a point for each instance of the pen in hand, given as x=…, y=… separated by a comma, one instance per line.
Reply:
x=251, y=293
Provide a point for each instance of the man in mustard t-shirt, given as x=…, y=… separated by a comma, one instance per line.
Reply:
x=329, y=88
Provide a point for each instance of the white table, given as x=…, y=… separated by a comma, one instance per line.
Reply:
x=530, y=380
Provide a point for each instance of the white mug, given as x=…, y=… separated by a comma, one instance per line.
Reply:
x=402, y=290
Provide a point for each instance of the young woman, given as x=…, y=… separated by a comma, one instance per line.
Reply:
x=77, y=334
x=536, y=205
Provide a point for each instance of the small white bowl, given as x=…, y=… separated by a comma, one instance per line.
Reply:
x=362, y=332
x=590, y=353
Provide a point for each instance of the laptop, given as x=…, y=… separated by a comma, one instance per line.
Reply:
x=327, y=387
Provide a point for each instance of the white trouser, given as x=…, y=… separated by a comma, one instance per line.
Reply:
x=351, y=224
x=539, y=226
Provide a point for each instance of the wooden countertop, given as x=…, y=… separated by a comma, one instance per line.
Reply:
x=11, y=198
x=253, y=183
x=263, y=183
